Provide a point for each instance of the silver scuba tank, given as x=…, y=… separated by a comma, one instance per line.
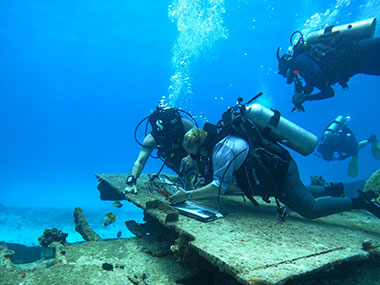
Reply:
x=334, y=126
x=355, y=31
x=283, y=130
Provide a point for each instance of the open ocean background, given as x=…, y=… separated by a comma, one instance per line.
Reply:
x=76, y=77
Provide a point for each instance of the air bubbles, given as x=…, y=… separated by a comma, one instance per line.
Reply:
x=200, y=24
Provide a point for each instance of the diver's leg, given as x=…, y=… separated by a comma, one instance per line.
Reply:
x=316, y=190
x=353, y=166
x=334, y=190
x=369, y=56
x=297, y=197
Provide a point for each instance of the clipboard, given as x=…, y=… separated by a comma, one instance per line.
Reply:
x=200, y=213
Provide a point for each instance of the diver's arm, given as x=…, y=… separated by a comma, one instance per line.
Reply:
x=208, y=190
x=314, y=76
x=290, y=76
x=148, y=145
x=327, y=92
x=363, y=143
x=308, y=89
x=317, y=79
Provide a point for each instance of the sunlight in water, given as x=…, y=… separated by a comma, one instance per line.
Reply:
x=200, y=25
x=329, y=17
x=339, y=15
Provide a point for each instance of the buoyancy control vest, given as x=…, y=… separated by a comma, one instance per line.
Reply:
x=168, y=131
x=267, y=162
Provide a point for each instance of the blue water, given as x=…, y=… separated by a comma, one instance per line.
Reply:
x=77, y=76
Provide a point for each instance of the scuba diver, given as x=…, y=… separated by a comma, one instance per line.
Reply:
x=338, y=142
x=168, y=129
x=329, y=56
x=242, y=149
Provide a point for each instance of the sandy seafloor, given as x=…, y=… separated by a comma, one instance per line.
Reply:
x=24, y=225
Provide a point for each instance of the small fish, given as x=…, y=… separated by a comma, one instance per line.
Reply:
x=117, y=204
x=109, y=219
x=118, y=234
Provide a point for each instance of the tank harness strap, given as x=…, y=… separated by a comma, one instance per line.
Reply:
x=337, y=122
x=249, y=195
x=253, y=201
x=328, y=29
x=273, y=122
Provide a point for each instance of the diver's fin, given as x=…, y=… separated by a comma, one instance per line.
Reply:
x=375, y=149
x=353, y=166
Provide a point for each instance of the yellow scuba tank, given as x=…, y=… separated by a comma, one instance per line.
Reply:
x=334, y=126
x=283, y=130
x=355, y=31
x=353, y=166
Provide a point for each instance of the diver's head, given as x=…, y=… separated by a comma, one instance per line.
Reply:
x=283, y=62
x=194, y=142
x=326, y=151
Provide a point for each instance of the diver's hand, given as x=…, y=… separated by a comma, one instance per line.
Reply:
x=298, y=98
x=179, y=197
x=130, y=189
x=186, y=164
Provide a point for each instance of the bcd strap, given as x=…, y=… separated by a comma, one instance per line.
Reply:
x=275, y=118
x=328, y=29
x=250, y=193
x=273, y=122
x=253, y=201
x=336, y=122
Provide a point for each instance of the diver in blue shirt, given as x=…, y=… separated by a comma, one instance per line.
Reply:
x=333, y=56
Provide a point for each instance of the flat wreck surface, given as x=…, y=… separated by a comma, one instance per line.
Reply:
x=251, y=243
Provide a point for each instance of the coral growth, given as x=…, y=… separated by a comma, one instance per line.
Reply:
x=52, y=235
x=318, y=180
x=373, y=183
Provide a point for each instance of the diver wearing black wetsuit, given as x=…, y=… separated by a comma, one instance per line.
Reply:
x=232, y=156
x=362, y=57
x=344, y=143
